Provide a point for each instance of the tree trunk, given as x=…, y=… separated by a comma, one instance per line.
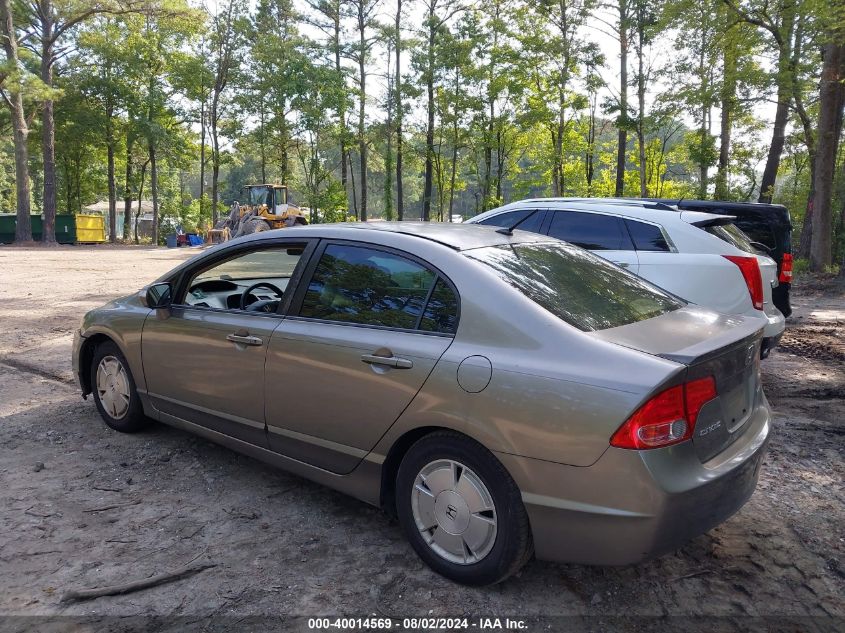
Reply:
x=111, y=177
x=48, y=132
x=727, y=97
x=362, y=104
x=20, y=130
x=400, y=203
x=203, y=98
x=429, y=130
x=829, y=105
x=784, y=84
x=341, y=110
x=215, y=157
x=140, y=196
x=641, y=99
x=127, y=191
x=622, y=138
x=154, y=191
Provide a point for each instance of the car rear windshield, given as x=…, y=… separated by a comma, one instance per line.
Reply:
x=733, y=235
x=583, y=289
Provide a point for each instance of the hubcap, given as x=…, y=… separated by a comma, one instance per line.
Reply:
x=113, y=387
x=454, y=512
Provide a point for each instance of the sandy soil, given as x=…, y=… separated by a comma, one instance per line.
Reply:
x=81, y=506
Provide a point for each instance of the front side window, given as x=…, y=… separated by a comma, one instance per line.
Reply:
x=253, y=281
x=524, y=220
x=576, y=286
x=356, y=284
x=593, y=231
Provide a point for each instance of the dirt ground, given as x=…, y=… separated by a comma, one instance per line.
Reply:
x=82, y=506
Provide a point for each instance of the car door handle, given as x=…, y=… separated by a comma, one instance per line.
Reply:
x=622, y=264
x=387, y=361
x=244, y=339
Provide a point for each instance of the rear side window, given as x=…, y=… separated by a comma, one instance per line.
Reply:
x=593, y=231
x=356, y=284
x=732, y=235
x=441, y=312
x=580, y=288
x=647, y=237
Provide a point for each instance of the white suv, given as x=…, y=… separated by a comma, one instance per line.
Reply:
x=701, y=257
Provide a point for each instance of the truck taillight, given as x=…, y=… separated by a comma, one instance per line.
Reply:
x=786, y=269
x=750, y=269
x=667, y=418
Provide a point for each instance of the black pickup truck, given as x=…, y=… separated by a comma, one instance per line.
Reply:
x=766, y=224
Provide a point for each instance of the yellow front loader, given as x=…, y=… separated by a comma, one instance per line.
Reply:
x=266, y=208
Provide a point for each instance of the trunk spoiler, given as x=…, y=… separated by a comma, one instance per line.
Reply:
x=702, y=220
x=686, y=336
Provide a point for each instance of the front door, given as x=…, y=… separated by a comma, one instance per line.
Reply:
x=341, y=369
x=204, y=357
x=605, y=235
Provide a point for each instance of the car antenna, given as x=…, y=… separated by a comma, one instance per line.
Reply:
x=508, y=230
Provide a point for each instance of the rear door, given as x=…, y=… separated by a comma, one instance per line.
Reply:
x=605, y=235
x=367, y=326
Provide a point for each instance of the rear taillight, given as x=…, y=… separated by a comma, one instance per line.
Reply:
x=786, y=269
x=750, y=269
x=667, y=418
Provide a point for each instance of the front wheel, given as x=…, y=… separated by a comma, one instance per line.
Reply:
x=114, y=390
x=461, y=510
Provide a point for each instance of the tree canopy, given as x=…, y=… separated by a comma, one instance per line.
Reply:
x=421, y=109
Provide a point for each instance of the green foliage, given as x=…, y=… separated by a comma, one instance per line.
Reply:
x=524, y=102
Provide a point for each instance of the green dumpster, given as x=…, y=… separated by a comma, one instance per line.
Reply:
x=66, y=229
x=7, y=228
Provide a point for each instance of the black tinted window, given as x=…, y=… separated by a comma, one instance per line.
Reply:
x=590, y=230
x=528, y=220
x=576, y=286
x=507, y=219
x=647, y=237
x=361, y=285
x=732, y=235
x=441, y=312
x=758, y=229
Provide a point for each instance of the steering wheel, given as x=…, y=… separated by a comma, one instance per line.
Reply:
x=260, y=284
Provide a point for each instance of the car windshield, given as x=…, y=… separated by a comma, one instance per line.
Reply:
x=576, y=286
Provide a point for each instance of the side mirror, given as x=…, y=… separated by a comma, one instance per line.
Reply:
x=158, y=296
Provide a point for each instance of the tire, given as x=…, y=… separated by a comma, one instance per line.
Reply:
x=116, y=396
x=481, y=534
x=256, y=226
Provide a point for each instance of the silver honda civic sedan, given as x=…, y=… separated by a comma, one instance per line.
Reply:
x=502, y=393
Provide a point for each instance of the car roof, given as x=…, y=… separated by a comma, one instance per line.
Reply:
x=638, y=209
x=459, y=237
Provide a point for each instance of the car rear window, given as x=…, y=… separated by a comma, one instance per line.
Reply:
x=733, y=235
x=578, y=287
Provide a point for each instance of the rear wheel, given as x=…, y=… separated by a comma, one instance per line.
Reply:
x=461, y=510
x=256, y=226
x=114, y=390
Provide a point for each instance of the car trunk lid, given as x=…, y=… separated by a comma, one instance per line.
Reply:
x=726, y=347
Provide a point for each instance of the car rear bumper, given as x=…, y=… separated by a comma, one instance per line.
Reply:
x=630, y=506
x=768, y=344
x=780, y=297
